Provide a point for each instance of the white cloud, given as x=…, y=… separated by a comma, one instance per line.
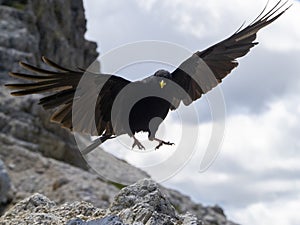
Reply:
x=288, y=40
x=197, y=17
x=283, y=212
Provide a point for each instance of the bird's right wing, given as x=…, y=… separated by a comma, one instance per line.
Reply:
x=71, y=90
x=205, y=69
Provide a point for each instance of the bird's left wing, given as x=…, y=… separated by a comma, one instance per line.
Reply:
x=205, y=69
x=91, y=95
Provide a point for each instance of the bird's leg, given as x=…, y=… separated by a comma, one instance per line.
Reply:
x=161, y=142
x=137, y=143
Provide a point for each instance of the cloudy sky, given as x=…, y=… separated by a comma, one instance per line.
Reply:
x=256, y=176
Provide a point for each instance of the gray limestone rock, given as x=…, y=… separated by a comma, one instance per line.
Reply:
x=144, y=203
x=31, y=172
x=210, y=215
x=154, y=209
x=30, y=29
x=24, y=123
x=38, y=209
x=5, y=186
x=108, y=220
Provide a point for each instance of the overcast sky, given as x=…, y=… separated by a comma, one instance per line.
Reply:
x=256, y=176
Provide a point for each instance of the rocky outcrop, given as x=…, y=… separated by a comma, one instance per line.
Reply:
x=141, y=203
x=30, y=29
x=108, y=220
x=24, y=123
x=209, y=214
x=145, y=203
x=5, y=186
x=30, y=172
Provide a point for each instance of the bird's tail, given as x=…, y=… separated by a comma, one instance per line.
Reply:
x=96, y=143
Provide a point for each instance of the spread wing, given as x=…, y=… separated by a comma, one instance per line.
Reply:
x=205, y=69
x=91, y=95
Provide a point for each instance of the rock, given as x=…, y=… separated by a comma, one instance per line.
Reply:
x=108, y=220
x=146, y=205
x=60, y=38
x=15, y=25
x=30, y=172
x=210, y=215
x=63, y=35
x=140, y=203
x=24, y=123
x=114, y=169
x=5, y=186
x=38, y=209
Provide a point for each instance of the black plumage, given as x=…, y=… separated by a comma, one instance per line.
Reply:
x=152, y=98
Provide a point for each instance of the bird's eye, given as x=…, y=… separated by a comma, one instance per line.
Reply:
x=162, y=83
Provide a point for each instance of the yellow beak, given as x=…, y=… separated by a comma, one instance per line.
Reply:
x=162, y=84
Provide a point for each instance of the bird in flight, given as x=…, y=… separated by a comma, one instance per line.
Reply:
x=108, y=105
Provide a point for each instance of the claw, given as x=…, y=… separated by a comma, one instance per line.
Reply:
x=161, y=142
x=138, y=144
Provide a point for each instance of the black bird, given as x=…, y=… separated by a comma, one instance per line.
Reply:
x=119, y=106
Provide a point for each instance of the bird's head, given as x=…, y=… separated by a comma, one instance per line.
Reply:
x=163, y=74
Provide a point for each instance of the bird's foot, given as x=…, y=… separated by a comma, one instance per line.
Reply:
x=161, y=143
x=138, y=144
